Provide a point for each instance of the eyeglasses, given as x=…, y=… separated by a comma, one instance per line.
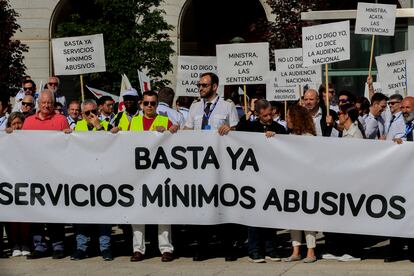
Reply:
x=53, y=83
x=204, y=85
x=343, y=100
x=27, y=104
x=94, y=111
x=147, y=103
x=392, y=103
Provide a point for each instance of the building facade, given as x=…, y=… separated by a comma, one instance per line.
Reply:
x=194, y=30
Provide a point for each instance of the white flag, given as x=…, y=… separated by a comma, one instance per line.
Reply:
x=144, y=82
x=125, y=84
x=99, y=93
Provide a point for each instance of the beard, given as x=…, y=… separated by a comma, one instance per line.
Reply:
x=408, y=117
x=208, y=94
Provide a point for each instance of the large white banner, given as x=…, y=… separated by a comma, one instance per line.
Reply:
x=189, y=70
x=290, y=182
x=289, y=65
x=376, y=19
x=394, y=71
x=326, y=43
x=243, y=63
x=78, y=55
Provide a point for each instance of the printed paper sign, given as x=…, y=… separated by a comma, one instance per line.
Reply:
x=394, y=70
x=189, y=71
x=79, y=55
x=244, y=63
x=274, y=92
x=326, y=43
x=290, y=68
x=376, y=19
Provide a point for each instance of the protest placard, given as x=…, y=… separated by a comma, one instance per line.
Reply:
x=393, y=69
x=79, y=55
x=375, y=19
x=274, y=92
x=326, y=43
x=243, y=63
x=290, y=70
x=189, y=71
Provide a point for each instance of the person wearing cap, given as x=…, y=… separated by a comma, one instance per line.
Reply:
x=396, y=125
x=151, y=121
x=123, y=119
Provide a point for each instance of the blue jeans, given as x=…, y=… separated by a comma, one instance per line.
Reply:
x=56, y=234
x=82, y=236
x=260, y=239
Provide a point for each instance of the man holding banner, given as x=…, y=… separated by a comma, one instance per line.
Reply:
x=47, y=119
x=122, y=119
x=212, y=112
x=151, y=121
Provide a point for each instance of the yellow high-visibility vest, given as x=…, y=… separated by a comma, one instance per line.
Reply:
x=137, y=123
x=82, y=125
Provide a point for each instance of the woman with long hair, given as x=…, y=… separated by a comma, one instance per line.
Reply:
x=300, y=122
x=348, y=117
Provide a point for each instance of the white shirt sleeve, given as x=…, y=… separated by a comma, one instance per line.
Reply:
x=191, y=115
x=371, y=127
x=233, y=116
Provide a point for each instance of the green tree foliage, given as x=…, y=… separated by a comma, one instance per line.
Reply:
x=12, y=68
x=286, y=30
x=135, y=37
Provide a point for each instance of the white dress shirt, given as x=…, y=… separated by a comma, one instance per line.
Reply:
x=374, y=126
x=352, y=132
x=223, y=112
x=396, y=126
x=175, y=117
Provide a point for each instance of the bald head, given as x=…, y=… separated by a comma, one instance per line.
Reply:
x=407, y=108
x=311, y=100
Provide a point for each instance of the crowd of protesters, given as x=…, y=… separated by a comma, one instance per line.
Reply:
x=340, y=115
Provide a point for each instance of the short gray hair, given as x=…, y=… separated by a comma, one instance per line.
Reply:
x=46, y=92
x=88, y=101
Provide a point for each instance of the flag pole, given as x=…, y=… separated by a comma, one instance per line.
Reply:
x=82, y=90
x=371, y=55
x=327, y=89
x=245, y=98
x=286, y=107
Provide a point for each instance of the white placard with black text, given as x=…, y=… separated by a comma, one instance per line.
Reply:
x=376, y=19
x=243, y=63
x=326, y=43
x=79, y=55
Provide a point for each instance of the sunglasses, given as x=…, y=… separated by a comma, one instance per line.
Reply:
x=392, y=103
x=27, y=104
x=27, y=88
x=204, y=85
x=147, y=103
x=53, y=83
x=343, y=101
x=94, y=111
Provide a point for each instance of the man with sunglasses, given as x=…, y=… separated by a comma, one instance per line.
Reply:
x=211, y=112
x=27, y=106
x=90, y=120
x=151, y=121
x=53, y=86
x=106, y=108
x=122, y=120
x=28, y=88
x=396, y=125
